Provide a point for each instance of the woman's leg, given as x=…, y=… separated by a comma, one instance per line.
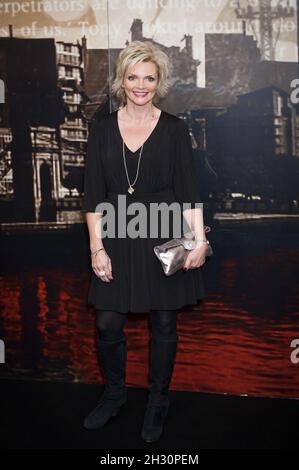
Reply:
x=164, y=341
x=112, y=346
x=110, y=325
x=164, y=324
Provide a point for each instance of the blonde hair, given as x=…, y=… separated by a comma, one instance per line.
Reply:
x=142, y=51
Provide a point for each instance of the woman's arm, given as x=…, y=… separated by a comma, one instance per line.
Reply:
x=94, y=220
x=194, y=218
x=186, y=190
x=196, y=257
x=101, y=261
x=94, y=194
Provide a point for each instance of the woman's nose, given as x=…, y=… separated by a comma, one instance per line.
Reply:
x=141, y=84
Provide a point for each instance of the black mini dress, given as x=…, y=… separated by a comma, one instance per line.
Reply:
x=167, y=173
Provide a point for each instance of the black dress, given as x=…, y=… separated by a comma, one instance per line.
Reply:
x=166, y=173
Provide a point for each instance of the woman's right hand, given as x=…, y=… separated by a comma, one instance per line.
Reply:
x=102, y=262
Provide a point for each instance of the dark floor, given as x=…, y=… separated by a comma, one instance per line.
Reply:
x=49, y=415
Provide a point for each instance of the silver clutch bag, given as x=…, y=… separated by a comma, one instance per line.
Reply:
x=173, y=253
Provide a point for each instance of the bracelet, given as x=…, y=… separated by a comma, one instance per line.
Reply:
x=96, y=251
x=203, y=240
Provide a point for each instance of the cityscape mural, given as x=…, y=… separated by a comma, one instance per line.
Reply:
x=235, y=82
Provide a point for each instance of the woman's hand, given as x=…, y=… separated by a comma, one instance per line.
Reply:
x=102, y=262
x=196, y=257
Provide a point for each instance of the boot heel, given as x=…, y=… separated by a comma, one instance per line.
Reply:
x=116, y=411
x=101, y=415
x=166, y=410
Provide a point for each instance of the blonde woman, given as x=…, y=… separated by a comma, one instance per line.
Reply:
x=144, y=153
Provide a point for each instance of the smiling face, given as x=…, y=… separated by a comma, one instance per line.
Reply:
x=140, y=82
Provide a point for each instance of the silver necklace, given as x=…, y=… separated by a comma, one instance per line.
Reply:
x=130, y=188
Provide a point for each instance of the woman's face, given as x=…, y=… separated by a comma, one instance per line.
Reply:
x=140, y=82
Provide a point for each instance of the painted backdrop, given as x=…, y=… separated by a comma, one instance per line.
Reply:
x=235, y=82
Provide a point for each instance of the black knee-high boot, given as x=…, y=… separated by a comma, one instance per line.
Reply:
x=163, y=353
x=113, y=355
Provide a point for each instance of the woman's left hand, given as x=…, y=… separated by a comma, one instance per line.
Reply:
x=196, y=257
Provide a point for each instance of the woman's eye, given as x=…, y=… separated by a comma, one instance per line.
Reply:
x=151, y=79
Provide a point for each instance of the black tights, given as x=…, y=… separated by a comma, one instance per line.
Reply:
x=110, y=324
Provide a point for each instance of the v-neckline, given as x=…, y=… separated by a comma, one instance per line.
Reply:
x=151, y=134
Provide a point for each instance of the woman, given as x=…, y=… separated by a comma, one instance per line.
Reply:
x=145, y=154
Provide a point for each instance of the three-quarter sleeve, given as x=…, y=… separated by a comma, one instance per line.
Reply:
x=185, y=181
x=94, y=178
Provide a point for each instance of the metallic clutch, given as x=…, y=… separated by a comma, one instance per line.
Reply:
x=173, y=253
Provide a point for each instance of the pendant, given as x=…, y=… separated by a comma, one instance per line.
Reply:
x=130, y=189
